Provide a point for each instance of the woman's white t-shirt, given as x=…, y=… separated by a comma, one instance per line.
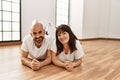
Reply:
x=77, y=54
x=34, y=52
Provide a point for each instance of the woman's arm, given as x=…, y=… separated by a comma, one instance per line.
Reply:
x=78, y=55
x=77, y=62
x=47, y=60
x=56, y=61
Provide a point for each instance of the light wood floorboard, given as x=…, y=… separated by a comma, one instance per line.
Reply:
x=100, y=62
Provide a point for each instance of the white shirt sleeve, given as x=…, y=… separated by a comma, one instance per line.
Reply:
x=79, y=53
x=54, y=47
x=50, y=41
x=24, y=45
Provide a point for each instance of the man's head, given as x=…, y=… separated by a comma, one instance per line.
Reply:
x=37, y=32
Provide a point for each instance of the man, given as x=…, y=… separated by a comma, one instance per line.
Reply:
x=36, y=47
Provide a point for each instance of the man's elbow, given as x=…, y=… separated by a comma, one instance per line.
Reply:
x=22, y=60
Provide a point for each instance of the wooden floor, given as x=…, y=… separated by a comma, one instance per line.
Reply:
x=101, y=62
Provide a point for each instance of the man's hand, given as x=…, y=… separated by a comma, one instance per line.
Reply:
x=35, y=64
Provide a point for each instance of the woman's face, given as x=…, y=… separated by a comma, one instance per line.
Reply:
x=63, y=37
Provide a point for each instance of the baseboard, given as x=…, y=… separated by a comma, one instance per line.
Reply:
x=86, y=39
x=10, y=43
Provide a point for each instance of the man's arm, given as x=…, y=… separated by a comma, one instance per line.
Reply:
x=24, y=59
x=47, y=60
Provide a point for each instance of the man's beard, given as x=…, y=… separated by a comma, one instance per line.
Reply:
x=39, y=40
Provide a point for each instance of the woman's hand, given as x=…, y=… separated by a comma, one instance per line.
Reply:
x=69, y=65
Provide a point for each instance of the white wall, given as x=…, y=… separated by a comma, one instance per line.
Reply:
x=104, y=18
x=91, y=19
x=76, y=17
x=88, y=18
x=114, y=26
x=42, y=10
x=101, y=19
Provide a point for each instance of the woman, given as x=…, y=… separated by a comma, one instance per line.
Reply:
x=66, y=50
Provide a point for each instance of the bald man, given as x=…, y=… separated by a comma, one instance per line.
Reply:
x=36, y=47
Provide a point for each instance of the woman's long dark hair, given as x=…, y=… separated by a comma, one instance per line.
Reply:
x=72, y=39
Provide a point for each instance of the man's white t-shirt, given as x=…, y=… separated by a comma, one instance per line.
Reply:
x=77, y=54
x=34, y=52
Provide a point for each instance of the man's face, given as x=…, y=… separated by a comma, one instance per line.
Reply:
x=38, y=33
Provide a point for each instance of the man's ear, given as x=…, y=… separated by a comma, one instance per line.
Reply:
x=31, y=34
x=44, y=31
